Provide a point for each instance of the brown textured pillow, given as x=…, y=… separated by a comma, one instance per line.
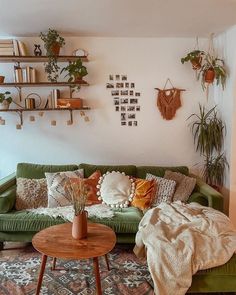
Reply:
x=184, y=185
x=31, y=193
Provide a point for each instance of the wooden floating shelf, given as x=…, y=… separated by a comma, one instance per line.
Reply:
x=45, y=84
x=48, y=109
x=32, y=58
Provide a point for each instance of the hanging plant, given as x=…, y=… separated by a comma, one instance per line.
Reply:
x=195, y=57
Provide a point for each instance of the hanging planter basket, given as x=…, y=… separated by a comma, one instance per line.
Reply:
x=196, y=63
x=209, y=76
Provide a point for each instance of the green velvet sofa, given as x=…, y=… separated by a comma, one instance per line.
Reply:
x=22, y=225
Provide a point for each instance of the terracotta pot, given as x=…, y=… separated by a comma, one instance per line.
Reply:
x=209, y=76
x=79, y=226
x=4, y=105
x=78, y=78
x=55, y=48
x=2, y=79
x=196, y=63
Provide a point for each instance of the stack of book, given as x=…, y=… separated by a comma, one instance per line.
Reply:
x=12, y=47
x=24, y=75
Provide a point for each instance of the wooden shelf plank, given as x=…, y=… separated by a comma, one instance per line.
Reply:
x=32, y=58
x=45, y=84
x=45, y=110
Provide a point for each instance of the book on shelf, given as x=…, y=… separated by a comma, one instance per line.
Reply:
x=16, y=47
x=6, y=41
x=6, y=47
x=18, y=74
x=22, y=48
x=25, y=75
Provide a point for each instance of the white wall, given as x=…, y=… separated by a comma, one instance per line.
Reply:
x=226, y=46
x=147, y=63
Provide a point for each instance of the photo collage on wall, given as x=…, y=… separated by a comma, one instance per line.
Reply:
x=125, y=99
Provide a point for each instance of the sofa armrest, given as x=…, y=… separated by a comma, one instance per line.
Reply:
x=213, y=197
x=7, y=193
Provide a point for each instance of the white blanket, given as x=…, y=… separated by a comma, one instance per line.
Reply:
x=179, y=240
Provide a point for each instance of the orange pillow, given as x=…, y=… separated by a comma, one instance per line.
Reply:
x=92, y=183
x=145, y=191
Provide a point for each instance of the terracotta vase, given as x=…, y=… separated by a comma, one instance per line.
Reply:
x=209, y=76
x=196, y=63
x=79, y=226
x=2, y=79
x=4, y=105
x=78, y=78
x=55, y=48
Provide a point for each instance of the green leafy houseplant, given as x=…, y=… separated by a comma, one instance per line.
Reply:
x=75, y=71
x=195, y=57
x=208, y=132
x=5, y=100
x=52, y=43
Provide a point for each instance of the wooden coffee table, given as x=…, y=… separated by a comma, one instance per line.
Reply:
x=57, y=242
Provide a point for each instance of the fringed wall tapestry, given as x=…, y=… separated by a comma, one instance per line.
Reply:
x=168, y=100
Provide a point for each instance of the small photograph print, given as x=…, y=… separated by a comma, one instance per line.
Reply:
x=132, y=85
x=126, y=85
x=116, y=101
x=111, y=78
x=124, y=100
x=131, y=116
x=117, y=77
x=137, y=108
x=124, y=78
x=124, y=92
x=110, y=85
x=114, y=92
x=135, y=123
x=130, y=109
x=130, y=123
x=137, y=93
x=123, y=116
x=131, y=92
x=133, y=100
x=123, y=108
x=119, y=85
x=117, y=109
x=123, y=123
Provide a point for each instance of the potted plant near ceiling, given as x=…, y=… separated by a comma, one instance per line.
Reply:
x=195, y=58
x=213, y=68
x=52, y=43
x=75, y=71
x=208, y=132
x=5, y=100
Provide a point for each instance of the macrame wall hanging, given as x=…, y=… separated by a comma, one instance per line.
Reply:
x=168, y=100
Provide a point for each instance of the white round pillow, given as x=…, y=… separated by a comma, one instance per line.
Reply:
x=116, y=189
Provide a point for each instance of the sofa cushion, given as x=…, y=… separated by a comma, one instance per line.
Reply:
x=29, y=170
x=89, y=169
x=159, y=171
x=126, y=220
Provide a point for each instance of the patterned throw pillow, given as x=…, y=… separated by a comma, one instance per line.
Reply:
x=166, y=189
x=31, y=193
x=57, y=196
x=145, y=192
x=184, y=185
x=116, y=189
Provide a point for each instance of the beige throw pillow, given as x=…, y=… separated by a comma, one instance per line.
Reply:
x=166, y=189
x=31, y=193
x=184, y=185
x=57, y=196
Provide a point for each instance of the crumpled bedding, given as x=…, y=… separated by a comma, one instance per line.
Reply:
x=179, y=239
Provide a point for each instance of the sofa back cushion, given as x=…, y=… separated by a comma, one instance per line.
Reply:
x=36, y=171
x=89, y=169
x=159, y=171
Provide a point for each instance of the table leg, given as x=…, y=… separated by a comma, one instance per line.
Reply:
x=54, y=263
x=107, y=262
x=42, y=268
x=97, y=275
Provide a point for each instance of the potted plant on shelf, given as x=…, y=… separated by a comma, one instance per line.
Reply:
x=52, y=43
x=208, y=132
x=5, y=100
x=75, y=71
x=212, y=68
x=195, y=57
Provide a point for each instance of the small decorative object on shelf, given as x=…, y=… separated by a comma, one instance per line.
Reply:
x=80, y=52
x=78, y=190
x=52, y=43
x=30, y=102
x=5, y=100
x=37, y=50
x=2, y=78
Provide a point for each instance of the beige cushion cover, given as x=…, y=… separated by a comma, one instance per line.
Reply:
x=184, y=185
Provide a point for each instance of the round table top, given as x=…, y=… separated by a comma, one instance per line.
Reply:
x=57, y=241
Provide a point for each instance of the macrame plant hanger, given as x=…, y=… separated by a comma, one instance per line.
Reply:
x=168, y=100
x=210, y=51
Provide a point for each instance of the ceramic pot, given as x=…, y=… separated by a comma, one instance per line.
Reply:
x=196, y=63
x=209, y=76
x=4, y=105
x=78, y=78
x=79, y=226
x=55, y=48
x=2, y=79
